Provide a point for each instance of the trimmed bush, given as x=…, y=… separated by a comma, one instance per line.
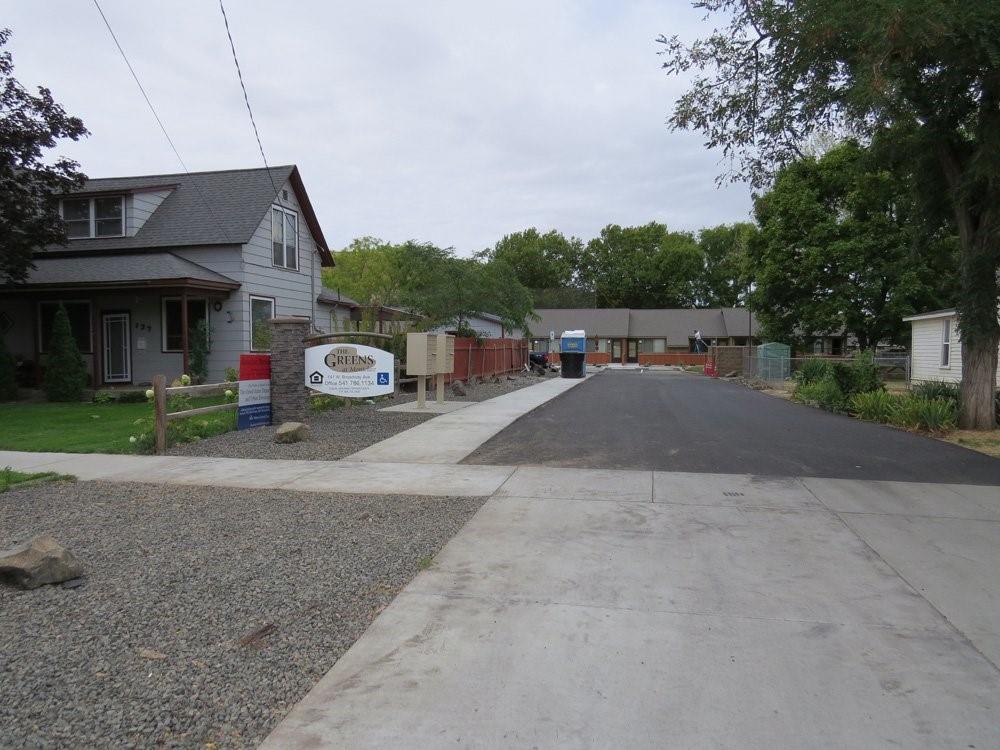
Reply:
x=812, y=371
x=65, y=373
x=865, y=373
x=824, y=393
x=936, y=389
x=8, y=376
x=874, y=406
x=232, y=375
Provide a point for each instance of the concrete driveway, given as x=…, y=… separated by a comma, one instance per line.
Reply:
x=641, y=609
x=681, y=422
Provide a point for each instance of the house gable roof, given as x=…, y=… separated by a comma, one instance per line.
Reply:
x=950, y=312
x=123, y=270
x=203, y=208
x=674, y=324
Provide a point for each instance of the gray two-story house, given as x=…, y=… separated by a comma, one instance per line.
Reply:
x=149, y=257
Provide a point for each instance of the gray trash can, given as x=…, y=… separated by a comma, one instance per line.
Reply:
x=573, y=354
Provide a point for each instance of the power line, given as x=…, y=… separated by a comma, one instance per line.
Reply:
x=160, y=123
x=246, y=98
x=139, y=84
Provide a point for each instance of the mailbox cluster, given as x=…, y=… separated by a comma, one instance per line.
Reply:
x=429, y=354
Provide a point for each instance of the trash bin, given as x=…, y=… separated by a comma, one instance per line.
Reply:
x=573, y=354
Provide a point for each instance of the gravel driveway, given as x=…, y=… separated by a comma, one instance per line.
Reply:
x=340, y=432
x=206, y=613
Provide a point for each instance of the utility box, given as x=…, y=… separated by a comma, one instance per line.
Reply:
x=573, y=354
x=444, y=361
x=421, y=349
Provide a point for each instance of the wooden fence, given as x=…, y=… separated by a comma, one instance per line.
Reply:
x=160, y=415
x=488, y=357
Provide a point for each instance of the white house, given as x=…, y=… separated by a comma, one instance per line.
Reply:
x=935, y=347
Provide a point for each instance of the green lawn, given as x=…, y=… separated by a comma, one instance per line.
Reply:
x=86, y=427
x=9, y=477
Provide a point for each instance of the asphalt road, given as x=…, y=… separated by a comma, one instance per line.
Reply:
x=681, y=422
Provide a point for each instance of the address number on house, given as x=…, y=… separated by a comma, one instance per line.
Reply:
x=350, y=370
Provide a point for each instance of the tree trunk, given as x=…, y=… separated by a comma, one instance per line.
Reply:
x=979, y=372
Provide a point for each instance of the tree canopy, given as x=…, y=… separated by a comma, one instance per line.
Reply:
x=777, y=73
x=30, y=124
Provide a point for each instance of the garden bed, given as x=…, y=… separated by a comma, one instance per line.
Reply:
x=342, y=431
x=206, y=613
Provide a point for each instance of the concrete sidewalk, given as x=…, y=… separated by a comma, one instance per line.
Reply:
x=598, y=609
x=451, y=437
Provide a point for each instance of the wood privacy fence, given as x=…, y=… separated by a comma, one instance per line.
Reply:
x=488, y=357
x=160, y=415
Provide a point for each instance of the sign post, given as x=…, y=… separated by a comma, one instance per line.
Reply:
x=255, y=391
x=350, y=370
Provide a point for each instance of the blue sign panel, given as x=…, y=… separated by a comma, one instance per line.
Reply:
x=383, y=378
x=253, y=415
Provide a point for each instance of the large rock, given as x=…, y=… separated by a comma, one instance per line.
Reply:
x=458, y=388
x=291, y=432
x=37, y=562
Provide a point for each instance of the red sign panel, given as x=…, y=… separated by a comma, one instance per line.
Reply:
x=255, y=367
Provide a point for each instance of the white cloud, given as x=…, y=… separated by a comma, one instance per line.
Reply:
x=450, y=122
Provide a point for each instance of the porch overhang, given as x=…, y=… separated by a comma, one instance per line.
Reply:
x=200, y=285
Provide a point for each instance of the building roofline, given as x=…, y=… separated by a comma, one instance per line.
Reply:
x=946, y=313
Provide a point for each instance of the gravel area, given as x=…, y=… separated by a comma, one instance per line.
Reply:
x=205, y=614
x=340, y=432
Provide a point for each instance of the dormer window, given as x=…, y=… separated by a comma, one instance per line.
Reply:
x=94, y=217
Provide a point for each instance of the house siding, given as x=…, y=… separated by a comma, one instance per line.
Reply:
x=925, y=351
x=140, y=206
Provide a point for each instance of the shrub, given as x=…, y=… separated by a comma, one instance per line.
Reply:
x=178, y=402
x=198, y=360
x=131, y=397
x=930, y=414
x=824, y=393
x=103, y=397
x=65, y=374
x=865, y=373
x=843, y=375
x=874, y=406
x=936, y=389
x=326, y=403
x=812, y=371
x=232, y=375
x=8, y=376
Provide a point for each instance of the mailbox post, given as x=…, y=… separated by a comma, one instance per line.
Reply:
x=429, y=354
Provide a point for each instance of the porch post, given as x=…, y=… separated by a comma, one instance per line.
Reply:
x=184, y=330
x=97, y=343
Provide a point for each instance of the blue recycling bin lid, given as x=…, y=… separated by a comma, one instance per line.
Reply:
x=573, y=341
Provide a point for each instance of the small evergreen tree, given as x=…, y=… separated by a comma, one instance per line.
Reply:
x=65, y=373
x=8, y=379
x=198, y=360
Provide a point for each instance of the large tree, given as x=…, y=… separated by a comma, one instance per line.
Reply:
x=724, y=281
x=30, y=187
x=642, y=267
x=779, y=71
x=841, y=247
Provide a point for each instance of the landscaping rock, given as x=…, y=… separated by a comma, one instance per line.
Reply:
x=458, y=388
x=291, y=432
x=38, y=562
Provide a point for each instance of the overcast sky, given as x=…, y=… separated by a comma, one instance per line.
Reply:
x=448, y=122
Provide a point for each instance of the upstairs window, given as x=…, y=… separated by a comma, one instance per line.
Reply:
x=284, y=238
x=94, y=217
x=946, y=343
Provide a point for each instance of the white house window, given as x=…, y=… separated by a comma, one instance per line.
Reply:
x=284, y=238
x=653, y=346
x=946, y=343
x=94, y=217
x=261, y=311
x=172, y=327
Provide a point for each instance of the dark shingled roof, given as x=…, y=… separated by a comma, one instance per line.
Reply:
x=674, y=324
x=203, y=208
x=123, y=270
x=329, y=296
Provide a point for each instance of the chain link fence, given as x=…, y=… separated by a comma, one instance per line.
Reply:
x=779, y=371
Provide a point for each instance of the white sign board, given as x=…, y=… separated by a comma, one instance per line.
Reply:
x=350, y=370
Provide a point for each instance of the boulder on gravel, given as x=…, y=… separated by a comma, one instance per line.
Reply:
x=291, y=432
x=38, y=562
x=458, y=388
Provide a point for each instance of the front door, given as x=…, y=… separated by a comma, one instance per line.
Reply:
x=616, y=351
x=633, y=351
x=117, y=348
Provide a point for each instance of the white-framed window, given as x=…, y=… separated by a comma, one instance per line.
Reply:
x=102, y=216
x=78, y=312
x=946, y=343
x=261, y=311
x=284, y=238
x=171, y=325
x=653, y=346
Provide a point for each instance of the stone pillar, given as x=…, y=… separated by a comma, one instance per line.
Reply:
x=289, y=395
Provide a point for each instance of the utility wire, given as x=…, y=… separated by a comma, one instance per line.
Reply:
x=159, y=122
x=246, y=98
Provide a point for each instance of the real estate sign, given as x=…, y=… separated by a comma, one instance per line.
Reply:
x=350, y=370
x=255, y=391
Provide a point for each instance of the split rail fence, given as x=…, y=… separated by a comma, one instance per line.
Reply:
x=160, y=415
